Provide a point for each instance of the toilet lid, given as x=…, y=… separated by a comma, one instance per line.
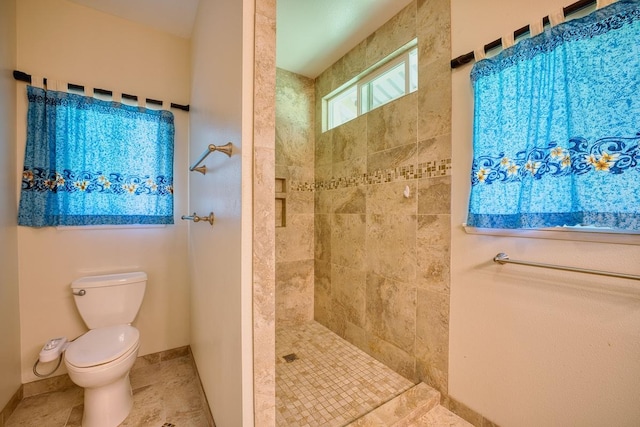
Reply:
x=101, y=345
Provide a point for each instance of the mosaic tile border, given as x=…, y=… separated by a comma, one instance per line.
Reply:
x=431, y=169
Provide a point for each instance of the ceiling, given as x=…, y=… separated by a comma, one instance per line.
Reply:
x=171, y=16
x=311, y=34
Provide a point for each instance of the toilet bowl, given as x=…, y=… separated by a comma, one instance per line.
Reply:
x=100, y=360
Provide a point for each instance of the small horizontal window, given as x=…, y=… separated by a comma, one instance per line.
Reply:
x=389, y=79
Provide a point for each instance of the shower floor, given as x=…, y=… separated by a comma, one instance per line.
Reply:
x=324, y=380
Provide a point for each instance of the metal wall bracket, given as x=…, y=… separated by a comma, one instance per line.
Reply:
x=196, y=218
x=226, y=149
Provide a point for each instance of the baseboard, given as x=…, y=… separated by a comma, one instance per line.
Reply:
x=63, y=382
x=203, y=396
x=11, y=405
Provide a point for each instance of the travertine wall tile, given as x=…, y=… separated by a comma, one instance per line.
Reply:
x=391, y=246
x=434, y=149
x=295, y=174
x=295, y=241
x=348, y=232
x=266, y=8
x=264, y=215
x=391, y=308
x=433, y=268
x=295, y=154
x=349, y=200
x=434, y=230
x=294, y=117
x=434, y=30
x=348, y=293
x=323, y=85
x=351, y=64
x=324, y=148
x=434, y=99
x=376, y=287
x=349, y=141
x=338, y=317
x=397, y=32
x=349, y=168
x=396, y=157
x=434, y=195
x=300, y=202
x=355, y=335
x=393, y=124
x=322, y=244
x=432, y=330
x=389, y=197
x=294, y=291
x=322, y=292
x=397, y=359
x=264, y=82
x=324, y=201
x=433, y=376
x=323, y=172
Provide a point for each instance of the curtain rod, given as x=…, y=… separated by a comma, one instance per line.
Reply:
x=24, y=77
x=572, y=8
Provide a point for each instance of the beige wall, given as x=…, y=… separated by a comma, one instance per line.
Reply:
x=532, y=347
x=295, y=109
x=62, y=40
x=9, y=303
x=382, y=260
x=221, y=256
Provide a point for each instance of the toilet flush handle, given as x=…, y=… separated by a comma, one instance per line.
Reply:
x=80, y=293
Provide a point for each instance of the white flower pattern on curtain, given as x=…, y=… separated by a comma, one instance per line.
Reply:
x=557, y=127
x=91, y=162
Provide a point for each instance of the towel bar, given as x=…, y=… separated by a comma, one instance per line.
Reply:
x=503, y=258
x=226, y=149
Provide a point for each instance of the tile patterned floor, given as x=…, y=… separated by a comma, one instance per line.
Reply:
x=166, y=392
x=331, y=383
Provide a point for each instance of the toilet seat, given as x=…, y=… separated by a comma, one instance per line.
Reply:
x=102, y=345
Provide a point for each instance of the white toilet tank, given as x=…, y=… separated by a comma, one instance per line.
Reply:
x=112, y=299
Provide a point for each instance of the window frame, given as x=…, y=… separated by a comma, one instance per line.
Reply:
x=364, y=80
x=577, y=234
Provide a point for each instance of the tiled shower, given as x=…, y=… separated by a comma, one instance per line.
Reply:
x=353, y=251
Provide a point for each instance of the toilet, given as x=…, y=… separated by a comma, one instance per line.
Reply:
x=100, y=360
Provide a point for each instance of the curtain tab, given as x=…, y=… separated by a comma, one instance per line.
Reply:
x=88, y=91
x=507, y=40
x=479, y=54
x=116, y=97
x=142, y=101
x=556, y=17
x=166, y=105
x=535, y=28
x=602, y=3
x=37, y=81
x=61, y=86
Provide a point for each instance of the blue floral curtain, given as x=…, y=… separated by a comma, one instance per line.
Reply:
x=557, y=127
x=90, y=162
